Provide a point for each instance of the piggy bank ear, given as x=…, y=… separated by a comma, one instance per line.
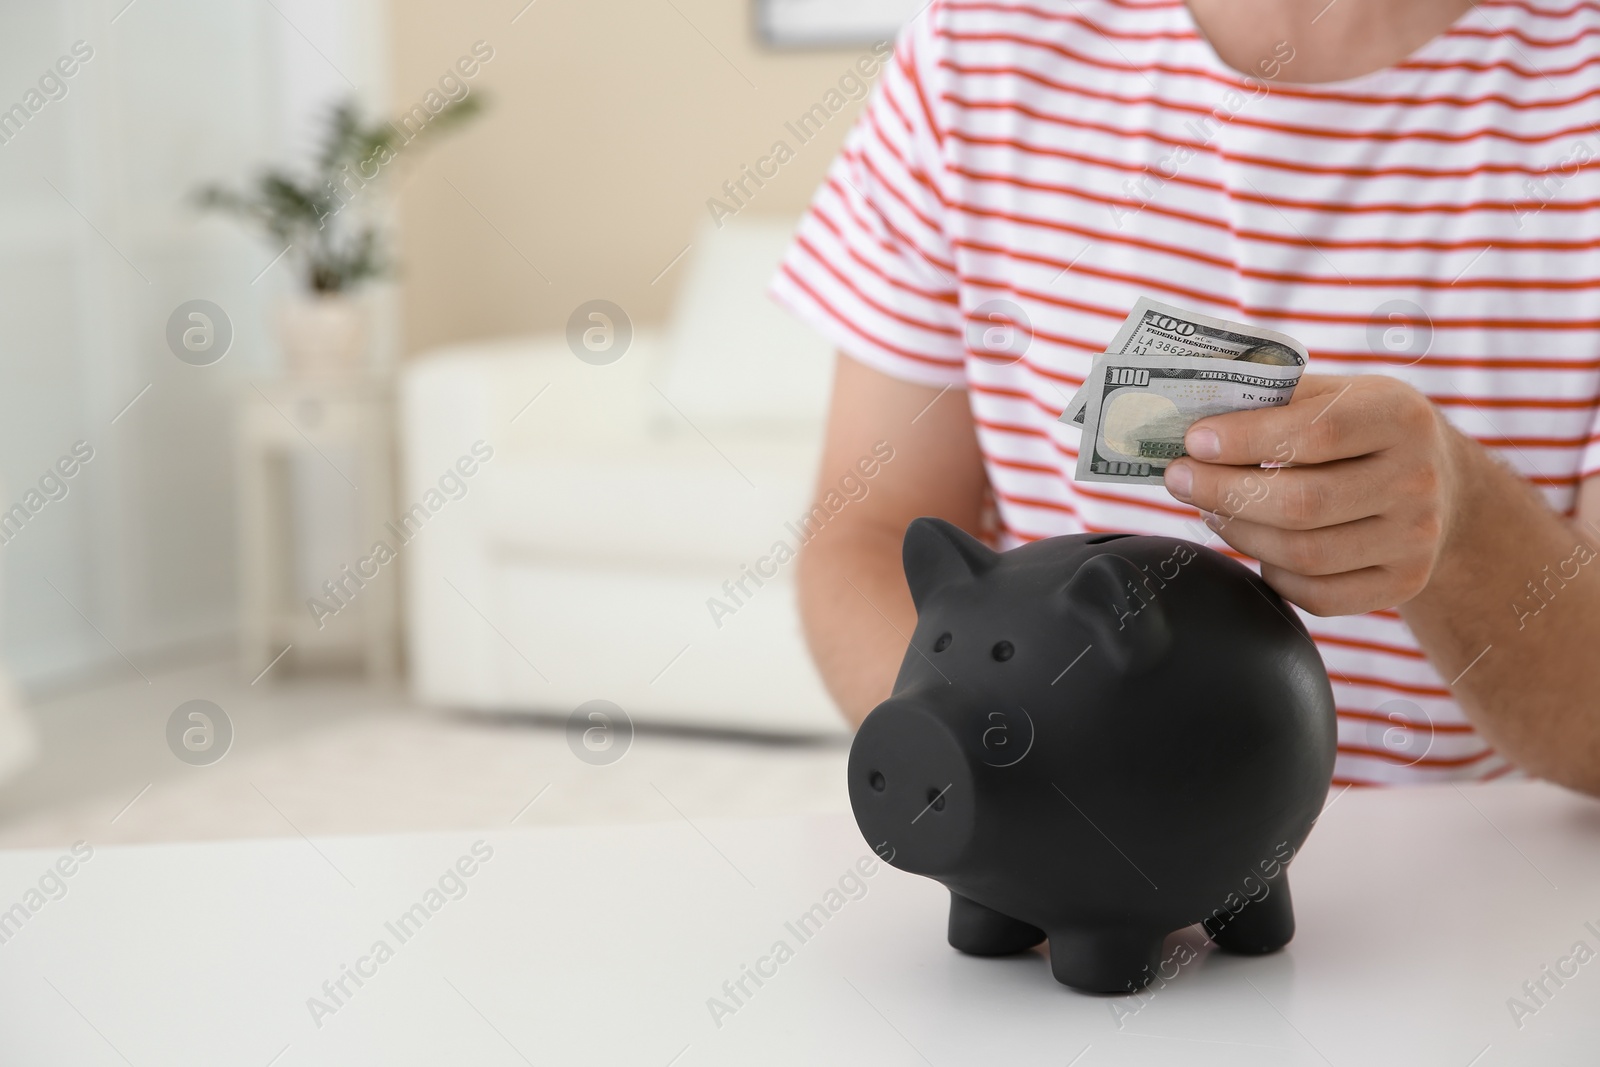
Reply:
x=937, y=554
x=1126, y=620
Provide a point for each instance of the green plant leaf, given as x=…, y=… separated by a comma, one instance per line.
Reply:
x=309, y=215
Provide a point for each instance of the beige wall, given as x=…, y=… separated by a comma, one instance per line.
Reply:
x=610, y=123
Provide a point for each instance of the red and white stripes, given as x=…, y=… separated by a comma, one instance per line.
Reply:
x=1438, y=221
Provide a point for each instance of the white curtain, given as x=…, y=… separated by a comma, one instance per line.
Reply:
x=98, y=245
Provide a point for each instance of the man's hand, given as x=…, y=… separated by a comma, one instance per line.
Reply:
x=1363, y=512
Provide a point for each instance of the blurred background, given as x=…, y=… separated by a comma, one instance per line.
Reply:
x=394, y=433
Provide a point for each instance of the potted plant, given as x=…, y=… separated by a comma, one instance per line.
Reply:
x=328, y=224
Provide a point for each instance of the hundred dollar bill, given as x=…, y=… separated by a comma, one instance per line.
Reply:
x=1156, y=329
x=1143, y=405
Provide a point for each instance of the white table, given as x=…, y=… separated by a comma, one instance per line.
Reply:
x=1421, y=912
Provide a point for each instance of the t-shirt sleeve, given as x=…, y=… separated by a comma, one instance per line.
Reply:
x=871, y=266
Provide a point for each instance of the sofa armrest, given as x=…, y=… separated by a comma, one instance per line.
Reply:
x=533, y=392
x=477, y=407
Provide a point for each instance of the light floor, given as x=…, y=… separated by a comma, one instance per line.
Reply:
x=329, y=756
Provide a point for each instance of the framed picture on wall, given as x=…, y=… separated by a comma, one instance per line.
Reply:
x=832, y=23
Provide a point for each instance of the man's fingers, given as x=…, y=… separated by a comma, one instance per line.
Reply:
x=1295, y=498
x=1314, y=385
x=1353, y=546
x=1351, y=593
x=1337, y=418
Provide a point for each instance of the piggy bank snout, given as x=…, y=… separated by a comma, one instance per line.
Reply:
x=912, y=786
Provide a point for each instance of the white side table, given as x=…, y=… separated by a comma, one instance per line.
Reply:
x=321, y=419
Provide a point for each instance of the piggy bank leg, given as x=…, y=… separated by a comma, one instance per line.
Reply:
x=1262, y=925
x=982, y=931
x=1103, y=960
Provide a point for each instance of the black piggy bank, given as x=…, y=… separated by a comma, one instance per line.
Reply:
x=1097, y=739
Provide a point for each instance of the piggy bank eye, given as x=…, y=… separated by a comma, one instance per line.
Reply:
x=942, y=643
x=1003, y=651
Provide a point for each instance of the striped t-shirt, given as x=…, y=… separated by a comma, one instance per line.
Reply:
x=1070, y=157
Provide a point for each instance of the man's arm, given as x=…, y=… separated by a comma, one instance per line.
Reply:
x=1520, y=587
x=1387, y=505
x=854, y=602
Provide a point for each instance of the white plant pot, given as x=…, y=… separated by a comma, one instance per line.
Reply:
x=324, y=337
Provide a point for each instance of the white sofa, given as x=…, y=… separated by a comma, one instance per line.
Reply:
x=580, y=562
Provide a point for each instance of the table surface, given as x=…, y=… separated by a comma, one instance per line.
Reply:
x=1422, y=913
